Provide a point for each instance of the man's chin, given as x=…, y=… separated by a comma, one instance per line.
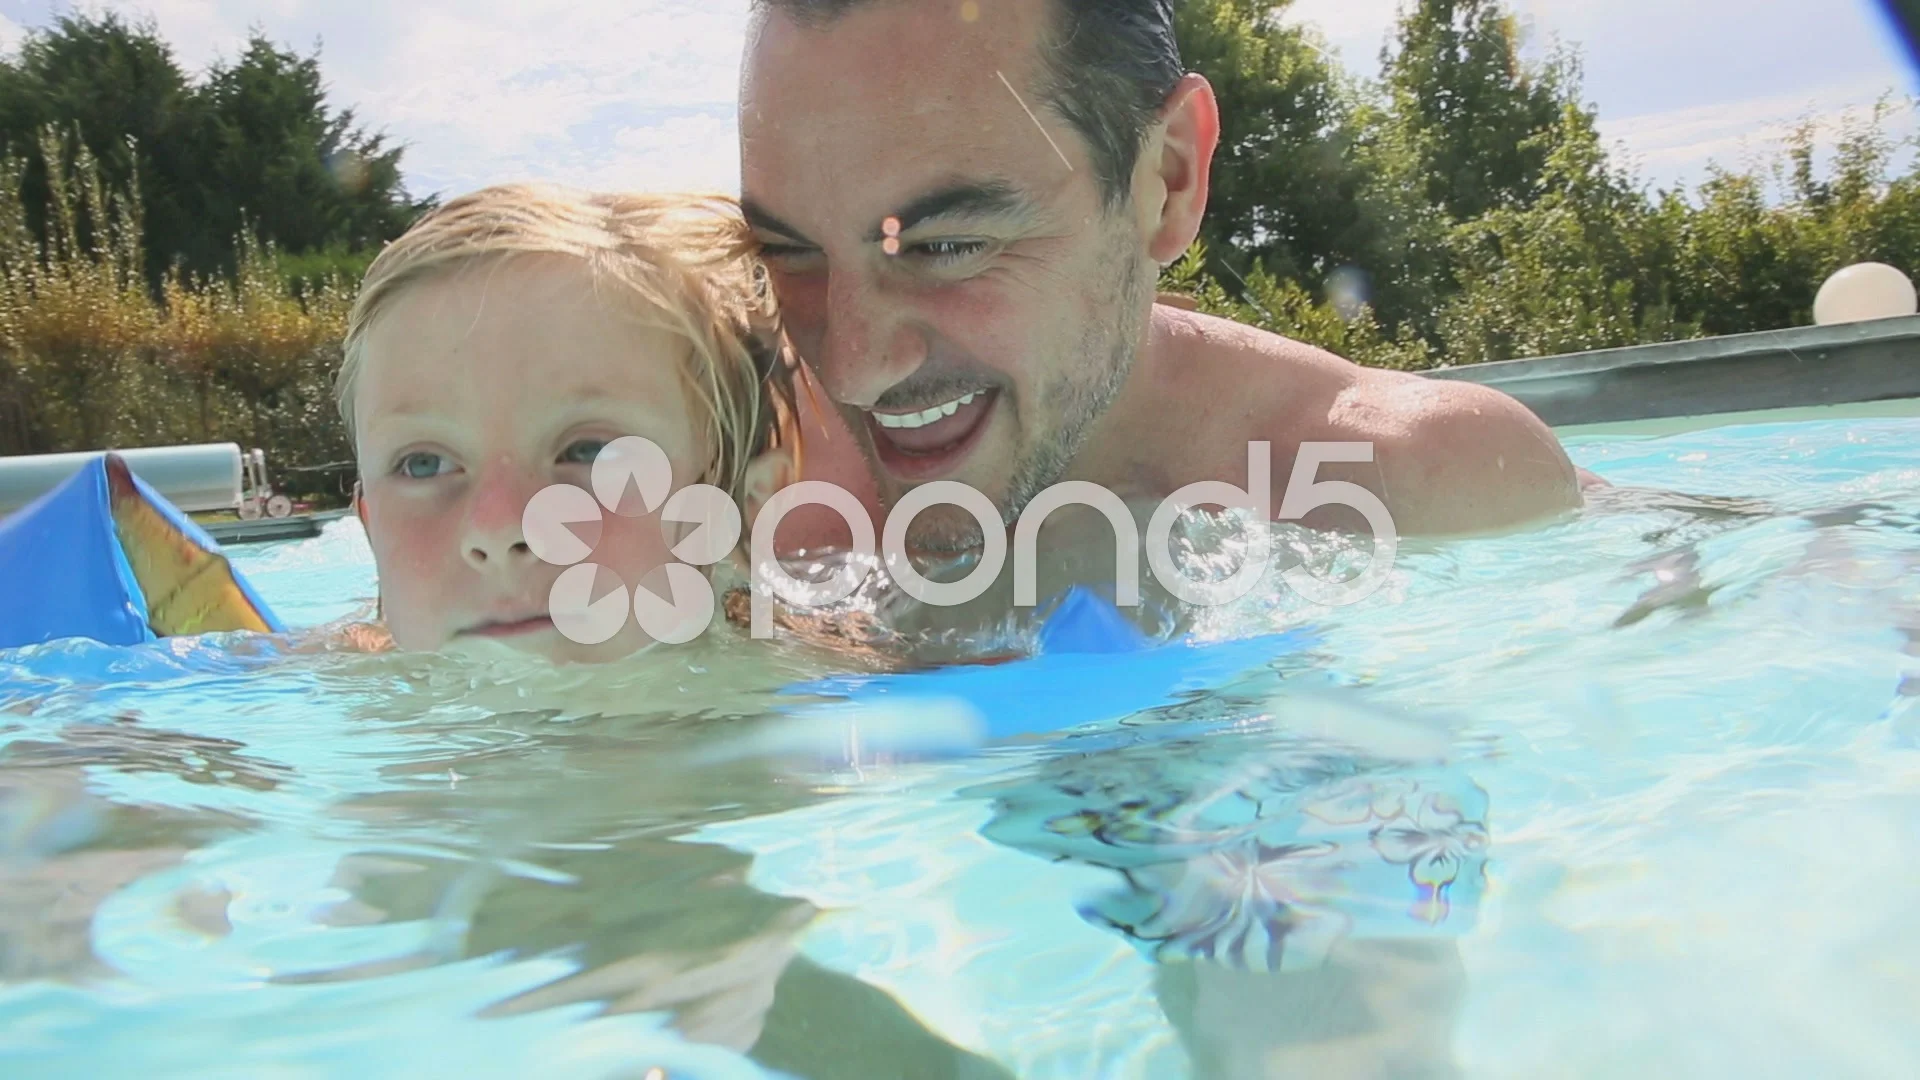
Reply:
x=945, y=527
x=944, y=530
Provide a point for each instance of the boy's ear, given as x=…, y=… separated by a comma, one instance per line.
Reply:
x=360, y=511
x=766, y=476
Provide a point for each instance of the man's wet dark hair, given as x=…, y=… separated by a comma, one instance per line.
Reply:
x=1108, y=66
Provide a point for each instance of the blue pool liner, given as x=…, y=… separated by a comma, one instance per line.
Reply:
x=63, y=573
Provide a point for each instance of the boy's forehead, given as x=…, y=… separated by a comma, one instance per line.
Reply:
x=548, y=330
x=542, y=303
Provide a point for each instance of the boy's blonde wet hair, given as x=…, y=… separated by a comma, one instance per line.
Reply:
x=686, y=260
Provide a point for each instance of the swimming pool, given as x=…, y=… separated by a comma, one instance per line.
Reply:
x=1637, y=794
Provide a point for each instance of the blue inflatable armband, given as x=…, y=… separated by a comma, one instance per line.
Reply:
x=104, y=556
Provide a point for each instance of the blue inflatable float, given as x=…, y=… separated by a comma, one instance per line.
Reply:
x=104, y=556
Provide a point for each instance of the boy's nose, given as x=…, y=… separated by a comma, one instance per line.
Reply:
x=495, y=536
x=497, y=547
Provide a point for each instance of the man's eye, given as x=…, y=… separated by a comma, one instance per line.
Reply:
x=582, y=451
x=421, y=465
x=943, y=251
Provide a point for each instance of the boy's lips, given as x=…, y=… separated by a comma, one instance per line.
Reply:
x=515, y=627
x=933, y=441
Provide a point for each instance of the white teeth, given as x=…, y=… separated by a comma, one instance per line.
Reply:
x=924, y=417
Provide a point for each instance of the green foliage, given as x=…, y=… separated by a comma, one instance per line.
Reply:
x=1754, y=252
x=1469, y=109
x=317, y=269
x=1284, y=187
x=253, y=141
x=1578, y=269
x=1472, y=191
x=90, y=357
x=1285, y=308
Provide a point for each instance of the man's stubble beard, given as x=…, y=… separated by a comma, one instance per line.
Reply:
x=1078, y=398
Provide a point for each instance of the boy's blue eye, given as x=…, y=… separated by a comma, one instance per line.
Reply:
x=582, y=451
x=421, y=465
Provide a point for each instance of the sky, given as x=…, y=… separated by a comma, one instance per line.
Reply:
x=641, y=93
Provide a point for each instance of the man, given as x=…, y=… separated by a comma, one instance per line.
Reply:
x=965, y=207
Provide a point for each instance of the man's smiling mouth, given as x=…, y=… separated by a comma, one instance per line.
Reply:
x=931, y=441
x=933, y=414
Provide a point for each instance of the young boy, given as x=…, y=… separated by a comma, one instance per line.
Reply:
x=507, y=339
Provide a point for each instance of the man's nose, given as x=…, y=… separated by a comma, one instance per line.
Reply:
x=870, y=343
x=495, y=536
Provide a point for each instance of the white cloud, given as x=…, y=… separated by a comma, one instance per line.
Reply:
x=490, y=90
x=1354, y=29
x=1678, y=146
x=11, y=34
x=699, y=152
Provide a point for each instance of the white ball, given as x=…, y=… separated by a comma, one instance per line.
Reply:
x=1865, y=291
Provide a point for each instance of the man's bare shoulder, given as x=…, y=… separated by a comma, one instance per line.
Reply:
x=1250, y=357
x=1450, y=457
x=1456, y=458
x=1241, y=382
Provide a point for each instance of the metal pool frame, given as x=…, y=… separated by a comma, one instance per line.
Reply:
x=1873, y=368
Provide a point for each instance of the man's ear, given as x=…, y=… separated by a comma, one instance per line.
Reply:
x=1179, y=161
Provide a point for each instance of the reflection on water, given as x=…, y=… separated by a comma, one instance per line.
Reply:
x=1632, y=795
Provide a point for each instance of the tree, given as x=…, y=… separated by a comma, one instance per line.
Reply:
x=1288, y=193
x=276, y=161
x=254, y=142
x=1585, y=266
x=1470, y=108
x=115, y=90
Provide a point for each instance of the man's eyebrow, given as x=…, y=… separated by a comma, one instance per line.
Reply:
x=972, y=199
x=760, y=219
x=976, y=199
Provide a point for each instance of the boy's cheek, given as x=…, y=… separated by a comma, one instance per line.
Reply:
x=413, y=556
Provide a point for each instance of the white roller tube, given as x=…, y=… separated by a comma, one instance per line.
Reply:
x=193, y=478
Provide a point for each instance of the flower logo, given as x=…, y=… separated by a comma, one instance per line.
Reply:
x=636, y=465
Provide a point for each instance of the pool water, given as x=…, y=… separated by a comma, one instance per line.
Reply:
x=1633, y=795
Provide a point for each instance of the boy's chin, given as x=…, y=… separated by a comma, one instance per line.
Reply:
x=551, y=645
